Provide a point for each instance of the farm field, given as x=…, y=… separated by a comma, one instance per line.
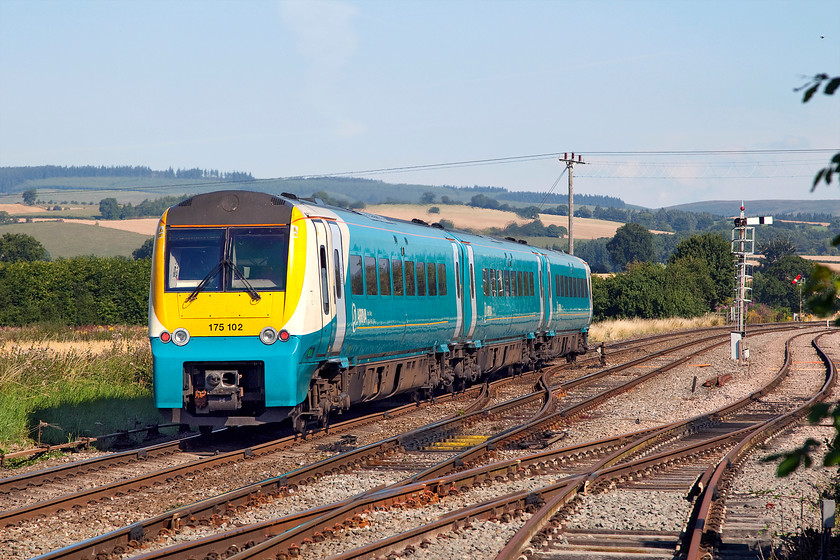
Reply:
x=68, y=239
x=467, y=217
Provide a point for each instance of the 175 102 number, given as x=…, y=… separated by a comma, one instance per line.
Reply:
x=220, y=327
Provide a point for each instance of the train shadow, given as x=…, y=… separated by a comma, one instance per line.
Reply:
x=70, y=421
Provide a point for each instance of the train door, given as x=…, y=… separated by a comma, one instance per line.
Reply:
x=541, y=290
x=459, y=292
x=326, y=302
x=470, y=292
x=546, y=305
x=336, y=259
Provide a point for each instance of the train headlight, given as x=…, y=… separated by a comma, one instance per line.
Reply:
x=268, y=335
x=180, y=336
x=284, y=335
x=165, y=337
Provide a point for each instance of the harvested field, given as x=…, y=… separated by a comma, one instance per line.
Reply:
x=15, y=209
x=467, y=217
x=145, y=226
x=832, y=262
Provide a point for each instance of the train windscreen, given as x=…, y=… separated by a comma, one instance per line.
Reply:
x=226, y=259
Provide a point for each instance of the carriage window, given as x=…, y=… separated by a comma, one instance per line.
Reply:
x=531, y=282
x=472, y=282
x=370, y=276
x=432, y=280
x=385, y=277
x=396, y=266
x=500, y=286
x=421, y=279
x=514, y=289
x=557, y=291
x=492, y=282
x=409, y=278
x=357, y=284
x=485, y=281
x=521, y=284
x=442, y=279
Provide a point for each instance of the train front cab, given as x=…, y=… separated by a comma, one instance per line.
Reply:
x=224, y=292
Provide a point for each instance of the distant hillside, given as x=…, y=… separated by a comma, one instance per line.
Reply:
x=134, y=184
x=762, y=207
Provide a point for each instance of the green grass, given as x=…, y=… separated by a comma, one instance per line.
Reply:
x=73, y=383
x=63, y=239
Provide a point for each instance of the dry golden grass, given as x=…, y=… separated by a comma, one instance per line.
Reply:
x=14, y=209
x=629, y=328
x=146, y=226
x=467, y=217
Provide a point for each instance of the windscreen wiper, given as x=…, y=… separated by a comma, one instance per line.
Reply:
x=236, y=272
x=251, y=291
x=206, y=279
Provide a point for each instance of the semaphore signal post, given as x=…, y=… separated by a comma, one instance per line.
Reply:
x=743, y=246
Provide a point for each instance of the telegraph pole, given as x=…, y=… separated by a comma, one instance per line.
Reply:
x=570, y=164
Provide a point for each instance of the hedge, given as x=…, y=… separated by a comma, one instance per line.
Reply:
x=76, y=291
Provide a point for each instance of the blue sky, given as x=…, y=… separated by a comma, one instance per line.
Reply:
x=308, y=88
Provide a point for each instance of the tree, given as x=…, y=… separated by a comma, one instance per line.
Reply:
x=528, y=212
x=19, y=247
x=712, y=249
x=631, y=243
x=145, y=250
x=6, y=218
x=109, y=209
x=434, y=210
x=775, y=249
x=427, y=198
x=30, y=196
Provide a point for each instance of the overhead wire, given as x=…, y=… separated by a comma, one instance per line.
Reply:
x=504, y=160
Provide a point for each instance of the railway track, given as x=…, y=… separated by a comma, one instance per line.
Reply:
x=310, y=473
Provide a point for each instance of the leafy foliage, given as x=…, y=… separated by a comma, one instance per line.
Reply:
x=651, y=291
x=30, y=196
x=712, y=252
x=78, y=291
x=19, y=247
x=631, y=243
x=801, y=456
x=145, y=250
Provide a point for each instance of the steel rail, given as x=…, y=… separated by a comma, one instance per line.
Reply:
x=312, y=531
x=53, y=474
x=536, y=524
x=84, y=497
x=113, y=539
x=704, y=516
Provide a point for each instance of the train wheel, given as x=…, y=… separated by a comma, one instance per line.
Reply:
x=205, y=430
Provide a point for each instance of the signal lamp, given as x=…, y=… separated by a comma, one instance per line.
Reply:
x=284, y=335
x=165, y=337
x=180, y=336
x=268, y=335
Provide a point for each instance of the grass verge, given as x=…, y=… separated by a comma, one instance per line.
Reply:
x=64, y=383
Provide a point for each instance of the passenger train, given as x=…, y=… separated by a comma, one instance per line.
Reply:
x=265, y=307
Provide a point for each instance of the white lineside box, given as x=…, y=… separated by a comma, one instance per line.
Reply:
x=734, y=345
